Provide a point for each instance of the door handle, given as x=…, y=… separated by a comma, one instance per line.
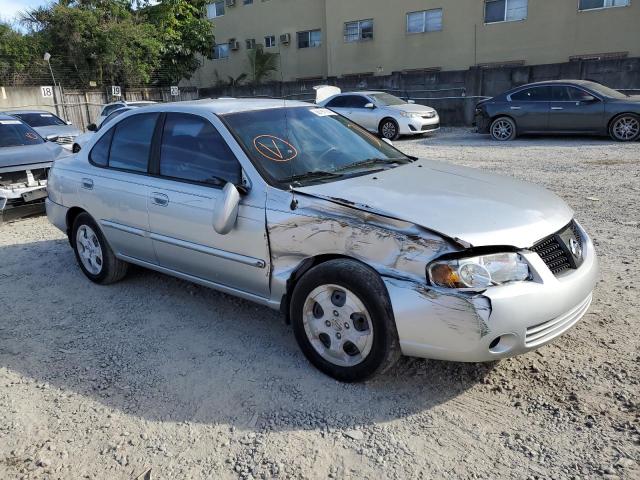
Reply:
x=557, y=108
x=87, y=183
x=160, y=199
x=516, y=108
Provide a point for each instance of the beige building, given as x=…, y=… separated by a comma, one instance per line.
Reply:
x=332, y=38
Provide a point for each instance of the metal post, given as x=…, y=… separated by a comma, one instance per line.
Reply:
x=47, y=58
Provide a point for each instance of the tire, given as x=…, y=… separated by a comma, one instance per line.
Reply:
x=389, y=129
x=352, y=335
x=503, y=129
x=625, y=128
x=93, y=253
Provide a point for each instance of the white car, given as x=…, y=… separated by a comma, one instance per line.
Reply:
x=111, y=107
x=380, y=112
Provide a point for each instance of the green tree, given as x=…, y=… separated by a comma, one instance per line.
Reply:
x=261, y=64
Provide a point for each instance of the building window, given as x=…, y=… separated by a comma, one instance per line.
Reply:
x=250, y=43
x=215, y=9
x=593, y=4
x=221, y=51
x=270, y=41
x=309, y=39
x=359, y=30
x=424, y=21
x=505, y=10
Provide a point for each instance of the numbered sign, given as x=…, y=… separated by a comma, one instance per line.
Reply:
x=115, y=91
x=47, y=92
x=175, y=91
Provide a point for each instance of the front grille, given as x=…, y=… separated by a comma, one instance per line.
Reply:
x=64, y=140
x=544, y=332
x=435, y=126
x=555, y=252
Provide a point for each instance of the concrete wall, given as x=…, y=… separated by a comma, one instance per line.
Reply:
x=553, y=31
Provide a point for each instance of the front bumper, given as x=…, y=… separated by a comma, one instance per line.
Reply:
x=482, y=123
x=416, y=126
x=501, y=322
x=20, y=202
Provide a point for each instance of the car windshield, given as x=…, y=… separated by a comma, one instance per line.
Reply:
x=303, y=146
x=387, y=100
x=606, y=91
x=40, y=119
x=14, y=133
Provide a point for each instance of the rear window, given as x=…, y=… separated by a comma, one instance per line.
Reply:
x=14, y=133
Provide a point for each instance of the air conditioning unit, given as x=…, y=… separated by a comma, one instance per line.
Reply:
x=230, y=3
x=234, y=44
x=285, y=39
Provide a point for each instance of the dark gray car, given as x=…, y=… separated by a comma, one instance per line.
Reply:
x=560, y=107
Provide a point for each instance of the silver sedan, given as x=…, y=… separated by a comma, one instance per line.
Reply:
x=380, y=112
x=369, y=253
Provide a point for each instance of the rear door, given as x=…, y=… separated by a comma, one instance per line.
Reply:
x=192, y=165
x=530, y=109
x=575, y=110
x=115, y=192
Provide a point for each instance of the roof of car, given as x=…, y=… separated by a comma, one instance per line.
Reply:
x=223, y=106
x=552, y=82
x=6, y=116
x=21, y=112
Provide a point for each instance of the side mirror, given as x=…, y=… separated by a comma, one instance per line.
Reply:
x=386, y=140
x=411, y=101
x=52, y=138
x=588, y=99
x=92, y=127
x=226, y=213
x=370, y=106
x=69, y=123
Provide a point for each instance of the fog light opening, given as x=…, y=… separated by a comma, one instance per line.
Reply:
x=503, y=343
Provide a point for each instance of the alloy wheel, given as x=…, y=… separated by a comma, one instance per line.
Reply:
x=89, y=249
x=389, y=130
x=626, y=128
x=502, y=130
x=338, y=325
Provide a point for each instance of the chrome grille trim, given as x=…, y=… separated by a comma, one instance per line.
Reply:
x=544, y=332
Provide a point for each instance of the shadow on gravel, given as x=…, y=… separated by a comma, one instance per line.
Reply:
x=164, y=349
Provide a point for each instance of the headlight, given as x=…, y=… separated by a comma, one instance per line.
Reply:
x=478, y=272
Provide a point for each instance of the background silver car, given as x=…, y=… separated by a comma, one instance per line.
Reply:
x=49, y=126
x=380, y=112
x=370, y=253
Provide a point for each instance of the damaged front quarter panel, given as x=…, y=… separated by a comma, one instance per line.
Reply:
x=302, y=227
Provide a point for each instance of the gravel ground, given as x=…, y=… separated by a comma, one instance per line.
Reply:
x=153, y=372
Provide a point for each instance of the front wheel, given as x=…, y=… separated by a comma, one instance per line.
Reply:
x=389, y=129
x=625, y=128
x=503, y=129
x=343, y=322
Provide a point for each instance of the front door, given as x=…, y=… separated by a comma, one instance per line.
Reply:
x=193, y=164
x=575, y=110
x=530, y=109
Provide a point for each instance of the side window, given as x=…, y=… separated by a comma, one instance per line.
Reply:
x=536, y=94
x=359, y=102
x=111, y=108
x=338, y=102
x=192, y=149
x=560, y=94
x=99, y=154
x=577, y=95
x=131, y=143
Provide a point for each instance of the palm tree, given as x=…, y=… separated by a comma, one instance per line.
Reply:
x=261, y=64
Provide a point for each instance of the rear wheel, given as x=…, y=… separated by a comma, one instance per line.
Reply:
x=343, y=322
x=625, y=128
x=94, y=255
x=503, y=129
x=389, y=129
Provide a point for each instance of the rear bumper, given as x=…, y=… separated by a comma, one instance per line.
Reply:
x=500, y=322
x=57, y=214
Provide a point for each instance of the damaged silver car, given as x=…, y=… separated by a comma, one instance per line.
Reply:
x=25, y=159
x=368, y=252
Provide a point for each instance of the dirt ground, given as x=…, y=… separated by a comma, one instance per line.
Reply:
x=154, y=372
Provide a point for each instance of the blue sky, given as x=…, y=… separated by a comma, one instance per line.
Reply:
x=10, y=8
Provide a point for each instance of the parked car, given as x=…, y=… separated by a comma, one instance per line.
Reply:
x=560, y=107
x=93, y=128
x=110, y=107
x=380, y=112
x=369, y=253
x=49, y=126
x=25, y=159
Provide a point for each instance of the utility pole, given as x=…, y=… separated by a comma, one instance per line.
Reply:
x=47, y=58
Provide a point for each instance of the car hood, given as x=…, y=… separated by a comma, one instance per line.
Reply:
x=411, y=107
x=470, y=206
x=60, y=130
x=45, y=152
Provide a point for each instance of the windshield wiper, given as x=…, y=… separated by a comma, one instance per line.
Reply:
x=370, y=162
x=316, y=174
